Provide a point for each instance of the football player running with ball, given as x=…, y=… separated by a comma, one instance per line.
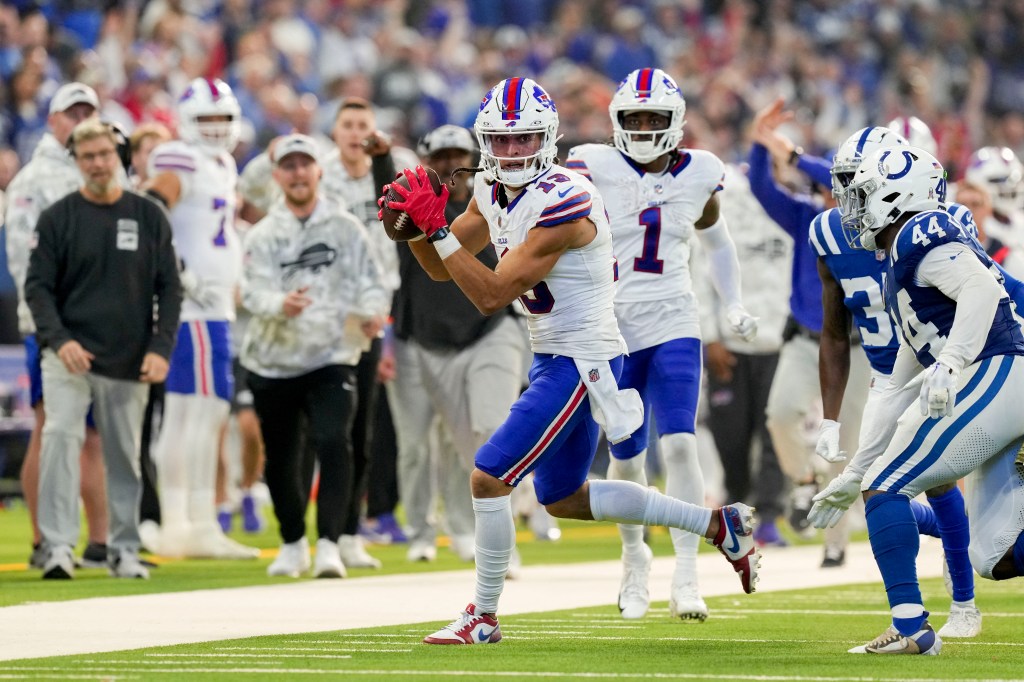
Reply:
x=549, y=227
x=658, y=196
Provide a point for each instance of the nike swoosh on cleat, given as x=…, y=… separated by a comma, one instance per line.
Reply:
x=735, y=540
x=484, y=635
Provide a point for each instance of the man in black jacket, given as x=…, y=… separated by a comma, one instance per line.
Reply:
x=103, y=255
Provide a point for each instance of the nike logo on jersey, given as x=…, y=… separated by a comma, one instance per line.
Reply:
x=561, y=195
x=953, y=257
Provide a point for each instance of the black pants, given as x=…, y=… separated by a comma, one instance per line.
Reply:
x=736, y=418
x=149, y=502
x=325, y=398
x=362, y=434
x=382, y=477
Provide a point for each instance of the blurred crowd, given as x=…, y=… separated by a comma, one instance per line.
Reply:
x=841, y=65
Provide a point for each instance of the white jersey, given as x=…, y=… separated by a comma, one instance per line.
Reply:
x=571, y=311
x=359, y=196
x=203, y=223
x=653, y=218
x=50, y=175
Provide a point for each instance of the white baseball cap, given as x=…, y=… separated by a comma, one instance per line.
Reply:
x=447, y=137
x=70, y=94
x=295, y=144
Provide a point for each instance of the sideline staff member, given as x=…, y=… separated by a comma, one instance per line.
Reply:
x=103, y=255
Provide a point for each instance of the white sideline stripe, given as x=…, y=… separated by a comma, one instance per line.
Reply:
x=159, y=655
x=312, y=648
x=99, y=624
x=511, y=673
x=829, y=612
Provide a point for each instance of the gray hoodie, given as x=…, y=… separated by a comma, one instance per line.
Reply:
x=330, y=254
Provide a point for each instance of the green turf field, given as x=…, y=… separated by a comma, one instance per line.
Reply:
x=797, y=635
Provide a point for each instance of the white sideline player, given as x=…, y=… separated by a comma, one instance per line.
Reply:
x=196, y=179
x=658, y=196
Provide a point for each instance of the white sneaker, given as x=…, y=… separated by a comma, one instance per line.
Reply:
x=127, y=565
x=209, y=542
x=171, y=540
x=354, y=554
x=464, y=547
x=327, y=562
x=292, y=559
x=149, y=534
x=634, y=597
x=59, y=564
x=964, y=621
x=421, y=550
x=686, y=603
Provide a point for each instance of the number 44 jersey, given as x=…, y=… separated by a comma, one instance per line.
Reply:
x=203, y=223
x=652, y=219
x=571, y=311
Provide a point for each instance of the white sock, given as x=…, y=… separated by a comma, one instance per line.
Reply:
x=684, y=481
x=628, y=502
x=964, y=604
x=495, y=540
x=205, y=417
x=632, y=469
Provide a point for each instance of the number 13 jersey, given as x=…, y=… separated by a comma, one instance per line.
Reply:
x=571, y=311
x=652, y=218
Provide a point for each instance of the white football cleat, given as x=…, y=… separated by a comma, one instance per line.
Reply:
x=354, y=555
x=634, y=596
x=924, y=641
x=964, y=622
x=421, y=550
x=327, y=562
x=464, y=546
x=127, y=565
x=292, y=559
x=735, y=540
x=209, y=542
x=686, y=603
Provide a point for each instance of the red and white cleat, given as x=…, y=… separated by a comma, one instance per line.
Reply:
x=735, y=539
x=469, y=628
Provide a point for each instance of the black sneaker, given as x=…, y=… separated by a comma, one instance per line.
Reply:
x=94, y=556
x=834, y=557
x=799, y=505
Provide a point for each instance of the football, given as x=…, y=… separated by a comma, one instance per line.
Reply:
x=397, y=224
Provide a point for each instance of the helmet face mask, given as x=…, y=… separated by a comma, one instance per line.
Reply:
x=209, y=115
x=650, y=90
x=516, y=115
x=852, y=151
x=891, y=182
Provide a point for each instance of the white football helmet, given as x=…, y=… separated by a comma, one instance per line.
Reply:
x=861, y=144
x=916, y=132
x=889, y=183
x=998, y=170
x=515, y=106
x=647, y=90
x=209, y=97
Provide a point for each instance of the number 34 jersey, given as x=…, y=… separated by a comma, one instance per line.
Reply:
x=652, y=218
x=203, y=223
x=571, y=311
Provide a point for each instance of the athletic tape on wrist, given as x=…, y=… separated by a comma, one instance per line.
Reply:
x=447, y=246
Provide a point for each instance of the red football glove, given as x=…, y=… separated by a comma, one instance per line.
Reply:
x=423, y=207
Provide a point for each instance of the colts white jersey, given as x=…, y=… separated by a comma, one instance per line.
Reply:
x=571, y=312
x=203, y=222
x=653, y=218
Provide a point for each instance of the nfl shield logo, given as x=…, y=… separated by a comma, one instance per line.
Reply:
x=593, y=375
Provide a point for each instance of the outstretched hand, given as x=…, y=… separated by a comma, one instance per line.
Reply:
x=765, y=129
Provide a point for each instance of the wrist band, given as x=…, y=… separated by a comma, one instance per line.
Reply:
x=439, y=234
x=447, y=245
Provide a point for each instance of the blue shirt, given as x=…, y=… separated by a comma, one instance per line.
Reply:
x=794, y=215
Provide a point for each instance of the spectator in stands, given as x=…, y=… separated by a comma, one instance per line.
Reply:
x=103, y=257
